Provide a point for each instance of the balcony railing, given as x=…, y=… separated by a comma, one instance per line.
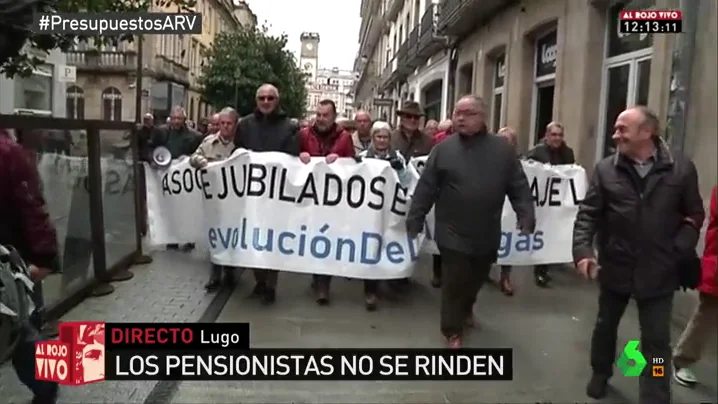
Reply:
x=460, y=17
x=413, y=45
x=103, y=61
x=429, y=41
x=170, y=69
x=402, y=58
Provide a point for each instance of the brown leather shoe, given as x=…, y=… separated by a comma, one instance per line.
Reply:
x=506, y=287
x=453, y=342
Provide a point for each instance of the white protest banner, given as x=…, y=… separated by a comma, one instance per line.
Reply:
x=557, y=191
x=175, y=212
x=268, y=210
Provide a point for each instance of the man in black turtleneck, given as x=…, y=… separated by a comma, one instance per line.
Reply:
x=467, y=177
x=267, y=129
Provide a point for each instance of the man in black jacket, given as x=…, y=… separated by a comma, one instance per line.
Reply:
x=552, y=150
x=468, y=177
x=645, y=210
x=180, y=140
x=267, y=129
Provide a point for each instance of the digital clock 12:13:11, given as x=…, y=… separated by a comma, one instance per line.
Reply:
x=651, y=26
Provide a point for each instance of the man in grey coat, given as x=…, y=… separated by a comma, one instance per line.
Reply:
x=468, y=178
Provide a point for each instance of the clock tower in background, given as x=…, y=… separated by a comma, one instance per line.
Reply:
x=309, y=55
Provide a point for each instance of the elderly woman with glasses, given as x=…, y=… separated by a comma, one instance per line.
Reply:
x=380, y=148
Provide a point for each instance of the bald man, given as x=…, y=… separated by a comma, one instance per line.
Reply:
x=643, y=211
x=468, y=212
x=267, y=129
x=361, y=137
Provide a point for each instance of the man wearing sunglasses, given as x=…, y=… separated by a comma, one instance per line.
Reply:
x=267, y=129
x=553, y=150
x=409, y=140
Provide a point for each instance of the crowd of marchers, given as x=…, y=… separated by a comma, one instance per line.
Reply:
x=636, y=231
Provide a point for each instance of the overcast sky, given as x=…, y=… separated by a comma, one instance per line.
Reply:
x=337, y=23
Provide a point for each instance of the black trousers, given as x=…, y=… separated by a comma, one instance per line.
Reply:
x=436, y=266
x=540, y=270
x=464, y=275
x=267, y=277
x=371, y=287
x=654, y=316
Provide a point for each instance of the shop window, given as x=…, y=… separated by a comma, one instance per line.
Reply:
x=497, y=102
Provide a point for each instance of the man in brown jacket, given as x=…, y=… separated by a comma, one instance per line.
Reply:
x=409, y=140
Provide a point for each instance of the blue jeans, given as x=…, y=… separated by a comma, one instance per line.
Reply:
x=23, y=360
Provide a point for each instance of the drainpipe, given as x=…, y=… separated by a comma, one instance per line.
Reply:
x=451, y=85
x=681, y=72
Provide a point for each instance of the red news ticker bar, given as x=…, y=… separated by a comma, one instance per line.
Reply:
x=652, y=15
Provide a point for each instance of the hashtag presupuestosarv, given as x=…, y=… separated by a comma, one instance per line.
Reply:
x=118, y=23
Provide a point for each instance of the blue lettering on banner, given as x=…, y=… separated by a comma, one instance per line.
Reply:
x=520, y=243
x=370, y=248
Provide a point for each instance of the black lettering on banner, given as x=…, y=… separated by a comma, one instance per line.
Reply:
x=179, y=181
x=420, y=166
x=282, y=187
x=309, y=190
x=205, y=184
x=261, y=181
x=332, y=182
x=376, y=187
x=548, y=193
x=255, y=180
x=353, y=202
x=399, y=200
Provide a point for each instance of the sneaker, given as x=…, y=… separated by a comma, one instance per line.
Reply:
x=685, y=377
x=597, y=386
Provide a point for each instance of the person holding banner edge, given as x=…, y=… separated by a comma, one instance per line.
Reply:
x=267, y=129
x=505, y=278
x=180, y=140
x=380, y=148
x=217, y=147
x=409, y=140
x=552, y=150
x=466, y=179
x=324, y=139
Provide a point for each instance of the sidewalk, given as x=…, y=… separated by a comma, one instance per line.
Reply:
x=171, y=289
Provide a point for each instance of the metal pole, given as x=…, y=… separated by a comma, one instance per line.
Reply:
x=140, y=206
x=681, y=73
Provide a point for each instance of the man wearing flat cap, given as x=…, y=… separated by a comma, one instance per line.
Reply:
x=409, y=140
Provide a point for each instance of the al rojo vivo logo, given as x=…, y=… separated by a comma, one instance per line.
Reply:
x=76, y=358
x=632, y=362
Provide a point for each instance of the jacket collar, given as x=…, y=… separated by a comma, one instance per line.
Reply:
x=663, y=154
x=277, y=114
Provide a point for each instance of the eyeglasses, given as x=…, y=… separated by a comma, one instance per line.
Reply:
x=269, y=98
x=559, y=134
x=411, y=116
